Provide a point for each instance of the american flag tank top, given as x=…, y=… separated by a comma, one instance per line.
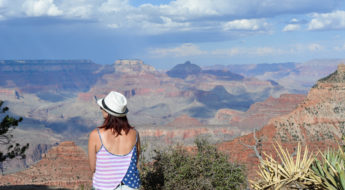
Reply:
x=112, y=169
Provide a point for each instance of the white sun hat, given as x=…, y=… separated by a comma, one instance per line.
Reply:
x=114, y=104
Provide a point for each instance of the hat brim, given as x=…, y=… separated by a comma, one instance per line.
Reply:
x=99, y=102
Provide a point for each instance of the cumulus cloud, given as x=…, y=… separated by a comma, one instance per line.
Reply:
x=184, y=50
x=178, y=15
x=246, y=8
x=41, y=8
x=291, y=27
x=79, y=8
x=166, y=25
x=246, y=24
x=333, y=20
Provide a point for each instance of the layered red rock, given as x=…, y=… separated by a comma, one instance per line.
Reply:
x=65, y=165
x=171, y=135
x=259, y=113
x=184, y=121
x=318, y=122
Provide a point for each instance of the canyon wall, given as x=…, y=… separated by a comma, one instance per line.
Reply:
x=64, y=166
x=317, y=122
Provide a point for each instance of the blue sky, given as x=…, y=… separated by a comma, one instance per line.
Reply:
x=164, y=33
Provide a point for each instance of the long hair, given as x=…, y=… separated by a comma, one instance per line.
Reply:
x=117, y=124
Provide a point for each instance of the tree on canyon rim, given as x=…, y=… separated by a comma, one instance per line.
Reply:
x=14, y=150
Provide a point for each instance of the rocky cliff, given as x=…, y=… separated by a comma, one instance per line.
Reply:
x=132, y=67
x=297, y=77
x=38, y=76
x=319, y=122
x=65, y=92
x=65, y=165
x=259, y=113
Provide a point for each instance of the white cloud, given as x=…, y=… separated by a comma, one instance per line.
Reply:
x=113, y=6
x=184, y=50
x=165, y=25
x=41, y=8
x=178, y=15
x=333, y=20
x=227, y=52
x=303, y=48
x=291, y=27
x=294, y=20
x=253, y=51
x=245, y=9
x=78, y=8
x=113, y=26
x=246, y=24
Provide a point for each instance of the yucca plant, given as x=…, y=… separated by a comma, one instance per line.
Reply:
x=290, y=173
x=331, y=170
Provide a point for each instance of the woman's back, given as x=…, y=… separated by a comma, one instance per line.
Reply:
x=116, y=163
x=117, y=144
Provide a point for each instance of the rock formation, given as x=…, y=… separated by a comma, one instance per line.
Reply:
x=319, y=122
x=132, y=66
x=65, y=165
x=36, y=76
x=184, y=121
x=259, y=113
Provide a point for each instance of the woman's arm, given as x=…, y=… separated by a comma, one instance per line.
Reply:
x=92, y=149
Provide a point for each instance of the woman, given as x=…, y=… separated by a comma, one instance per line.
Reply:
x=114, y=147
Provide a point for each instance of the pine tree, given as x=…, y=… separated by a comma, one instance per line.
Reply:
x=14, y=150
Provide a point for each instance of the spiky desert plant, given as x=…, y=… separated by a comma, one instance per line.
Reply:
x=289, y=173
x=331, y=169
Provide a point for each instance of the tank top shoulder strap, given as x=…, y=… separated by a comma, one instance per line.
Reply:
x=99, y=134
x=136, y=136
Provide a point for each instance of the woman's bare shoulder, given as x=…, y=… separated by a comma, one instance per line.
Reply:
x=133, y=131
x=93, y=134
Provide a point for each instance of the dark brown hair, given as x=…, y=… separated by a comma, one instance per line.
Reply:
x=117, y=124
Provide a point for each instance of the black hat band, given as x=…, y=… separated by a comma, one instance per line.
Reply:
x=108, y=109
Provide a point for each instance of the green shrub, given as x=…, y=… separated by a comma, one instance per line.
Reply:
x=330, y=171
x=302, y=172
x=204, y=169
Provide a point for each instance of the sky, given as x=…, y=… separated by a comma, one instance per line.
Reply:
x=164, y=33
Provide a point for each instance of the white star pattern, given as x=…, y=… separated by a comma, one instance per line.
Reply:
x=132, y=176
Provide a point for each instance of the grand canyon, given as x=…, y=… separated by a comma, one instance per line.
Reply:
x=285, y=102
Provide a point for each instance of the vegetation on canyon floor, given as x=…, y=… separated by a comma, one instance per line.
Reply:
x=207, y=168
x=203, y=168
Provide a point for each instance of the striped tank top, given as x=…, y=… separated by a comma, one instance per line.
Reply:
x=112, y=169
